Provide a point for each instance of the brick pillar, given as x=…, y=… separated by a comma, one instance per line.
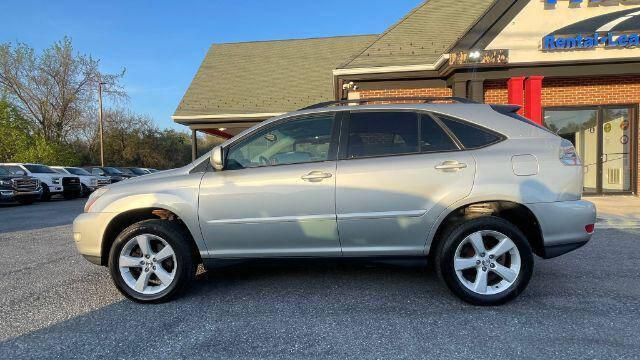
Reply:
x=533, y=98
x=515, y=90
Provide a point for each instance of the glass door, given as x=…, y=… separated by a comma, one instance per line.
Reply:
x=580, y=127
x=616, y=150
x=603, y=138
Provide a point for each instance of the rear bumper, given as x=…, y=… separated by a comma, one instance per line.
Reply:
x=563, y=225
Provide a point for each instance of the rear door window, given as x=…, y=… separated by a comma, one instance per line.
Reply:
x=471, y=137
x=433, y=138
x=382, y=134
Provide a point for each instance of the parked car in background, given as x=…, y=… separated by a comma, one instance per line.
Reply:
x=150, y=170
x=21, y=188
x=50, y=180
x=89, y=183
x=134, y=171
x=112, y=173
x=475, y=189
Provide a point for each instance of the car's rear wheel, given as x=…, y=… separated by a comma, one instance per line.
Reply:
x=485, y=261
x=152, y=261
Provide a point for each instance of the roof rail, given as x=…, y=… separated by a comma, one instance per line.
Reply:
x=424, y=100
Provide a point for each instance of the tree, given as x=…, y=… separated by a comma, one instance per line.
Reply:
x=18, y=143
x=56, y=89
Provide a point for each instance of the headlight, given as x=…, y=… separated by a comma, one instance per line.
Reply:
x=55, y=180
x=5, y=183
x=94, y=197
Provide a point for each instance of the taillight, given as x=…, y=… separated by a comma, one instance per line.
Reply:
x=568, y=154
x=589, y=228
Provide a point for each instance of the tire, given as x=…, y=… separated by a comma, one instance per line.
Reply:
x=84, y=192
x=181, y=266
x=46, y=194
x=71, y=195
x=459, y=248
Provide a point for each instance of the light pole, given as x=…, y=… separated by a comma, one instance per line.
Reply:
x=100, y=83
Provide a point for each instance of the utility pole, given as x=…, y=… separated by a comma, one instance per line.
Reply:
x=100, y=121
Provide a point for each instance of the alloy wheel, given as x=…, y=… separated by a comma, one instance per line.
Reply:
x=147, y=264
x=487, y=262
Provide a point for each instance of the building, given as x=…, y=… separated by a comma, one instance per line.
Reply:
x=573, y=65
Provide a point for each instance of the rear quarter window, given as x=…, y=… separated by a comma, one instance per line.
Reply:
x=471, y=136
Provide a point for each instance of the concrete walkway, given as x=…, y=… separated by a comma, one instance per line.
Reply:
x=619, y=212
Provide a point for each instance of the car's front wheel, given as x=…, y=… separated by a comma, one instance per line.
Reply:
x=485, y=261
x=152, y=261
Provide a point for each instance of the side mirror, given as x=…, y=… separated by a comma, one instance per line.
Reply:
x=216, y=158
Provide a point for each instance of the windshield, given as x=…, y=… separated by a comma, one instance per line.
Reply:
x=4, y=171
x=112, y=171
x=138, y=171
x=77, y=171
x=40, y=169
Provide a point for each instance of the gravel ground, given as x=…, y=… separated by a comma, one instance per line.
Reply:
x=54, y=304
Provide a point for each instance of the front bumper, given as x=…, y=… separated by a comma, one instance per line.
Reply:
x=88, y=231
x=563, y=225
x=12, y=195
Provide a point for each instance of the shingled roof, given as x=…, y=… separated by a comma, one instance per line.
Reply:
x=268, y=76
x=423, y=35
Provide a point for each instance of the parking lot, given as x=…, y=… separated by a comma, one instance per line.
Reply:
x=54, y=304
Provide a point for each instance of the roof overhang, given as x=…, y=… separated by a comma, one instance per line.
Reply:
x=393, y=69
x=218, y=119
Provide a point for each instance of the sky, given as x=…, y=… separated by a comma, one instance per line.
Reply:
x=162, y=43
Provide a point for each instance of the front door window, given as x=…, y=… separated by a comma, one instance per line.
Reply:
x=303, y=140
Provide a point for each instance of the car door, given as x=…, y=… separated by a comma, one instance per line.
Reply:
x=397, y=171
x=276, y=195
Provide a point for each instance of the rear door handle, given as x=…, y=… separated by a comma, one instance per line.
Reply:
x=316, y=176
x=451, y=165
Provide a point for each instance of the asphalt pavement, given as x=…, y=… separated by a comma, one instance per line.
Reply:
x=54, y=304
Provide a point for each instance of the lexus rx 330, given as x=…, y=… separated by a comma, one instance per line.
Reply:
x=475, y=189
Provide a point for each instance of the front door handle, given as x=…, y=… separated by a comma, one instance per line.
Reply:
x=316, y=176
x=450, y=166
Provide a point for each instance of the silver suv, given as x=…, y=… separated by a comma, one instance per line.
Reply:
x=474, y=189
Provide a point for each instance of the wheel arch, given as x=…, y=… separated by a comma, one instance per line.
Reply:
x=127, y=218
x=516, y=213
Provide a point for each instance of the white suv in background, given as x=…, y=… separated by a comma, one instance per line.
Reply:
x=89, y=182
x=50, y=179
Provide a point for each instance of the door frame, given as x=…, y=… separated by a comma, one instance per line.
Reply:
x=633, y=156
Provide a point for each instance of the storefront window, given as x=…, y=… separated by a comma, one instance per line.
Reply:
x=602, y=137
